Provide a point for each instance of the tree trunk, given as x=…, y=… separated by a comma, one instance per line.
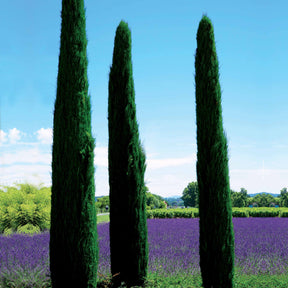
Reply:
x=128, y=227
x=73, y=233
x=216, y=227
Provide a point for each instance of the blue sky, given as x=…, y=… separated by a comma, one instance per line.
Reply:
x=252, y=47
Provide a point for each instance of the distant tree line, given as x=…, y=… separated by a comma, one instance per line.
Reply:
x=153, y=201
x=174, y=202
x=190, y=197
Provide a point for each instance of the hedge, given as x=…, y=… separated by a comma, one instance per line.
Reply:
x=236, y=212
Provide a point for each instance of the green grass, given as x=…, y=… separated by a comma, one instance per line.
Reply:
x=183, y=280
x=103, y=218
x=186, y=281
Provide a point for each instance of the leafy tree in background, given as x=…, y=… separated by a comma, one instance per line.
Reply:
x=190, y=195
x=239, y=199
x=276, y=201
x=128, y=227
x=284, y=201
x=264, y=200
x=284, y=197
x=244, y=194
x=283, y=191
x=154, y=201
x=215, y=211
x=102, y=203
x=172, y=201
x=73, y=233
x=243, y=191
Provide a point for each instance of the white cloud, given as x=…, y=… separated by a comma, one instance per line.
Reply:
x=101, y=159
x=27, y=156
x=14, y=135
x=164, y=177
x=259, y=180
x=101, y=156
x=45, y=135
x=170, y=162
x=34, y=174
x=170, y=182
x=25, y=162
x=101, y=181
x=169, y=176
x=3, y=137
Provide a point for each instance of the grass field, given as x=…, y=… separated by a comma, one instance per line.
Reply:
x=188, y=281
x=103, y=218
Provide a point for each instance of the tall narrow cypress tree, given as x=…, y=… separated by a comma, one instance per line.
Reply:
x=216, y=227
x=128, y=227
x=73, y=234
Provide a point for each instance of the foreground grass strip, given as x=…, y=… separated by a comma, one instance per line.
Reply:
x=188, y=281
x=103, y=218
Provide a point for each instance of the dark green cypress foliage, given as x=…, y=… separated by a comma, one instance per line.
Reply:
x=128, y=227
x=216, y=227
x=73, y=234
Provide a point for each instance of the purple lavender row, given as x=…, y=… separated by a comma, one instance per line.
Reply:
x=261, y=246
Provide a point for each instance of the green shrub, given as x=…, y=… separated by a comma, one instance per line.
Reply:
x=8, y=231
x=236, y=212
x=164, y=213
x=264, y=212
x=172, y=213
x=196, y=214
x=283, y=213
x=149, y=214
x=28, y=229
x=240, y=213
x=25, y=204
x=183, y=213
x=160, y=213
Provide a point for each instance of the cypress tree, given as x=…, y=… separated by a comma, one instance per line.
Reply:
x=128, y=227
x=73, y=233
x=216, y=227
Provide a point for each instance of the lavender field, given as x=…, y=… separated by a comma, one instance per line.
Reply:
x=261, y=247
x=24, y=260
